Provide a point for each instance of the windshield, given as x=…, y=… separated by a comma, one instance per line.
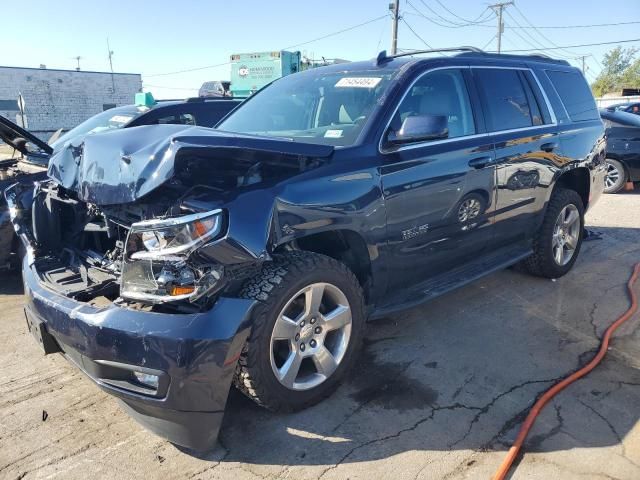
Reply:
x=108, y=120
x=316, y=107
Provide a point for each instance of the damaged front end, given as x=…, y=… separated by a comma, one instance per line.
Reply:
x=125, y=254
x=136, y=249
x=127, y=214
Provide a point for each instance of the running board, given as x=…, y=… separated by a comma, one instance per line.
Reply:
x=452, y=279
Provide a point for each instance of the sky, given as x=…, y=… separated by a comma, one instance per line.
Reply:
x=160, y=37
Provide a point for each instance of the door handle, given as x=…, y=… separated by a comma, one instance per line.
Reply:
x=480, y=162
x=548, y=147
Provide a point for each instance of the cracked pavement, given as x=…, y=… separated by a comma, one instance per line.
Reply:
x=439, y=391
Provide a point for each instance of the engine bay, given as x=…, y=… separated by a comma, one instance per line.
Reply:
x=141, y=252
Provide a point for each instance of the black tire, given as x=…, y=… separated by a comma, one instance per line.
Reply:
x=616, y=176
x=274, y=287
x=541, y=263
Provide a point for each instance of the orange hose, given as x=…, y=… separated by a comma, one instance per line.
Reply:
x=501, y=473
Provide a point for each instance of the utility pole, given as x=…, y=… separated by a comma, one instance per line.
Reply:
x=113, y=82
x=583, y=58
x=395, y=12
x=498, y=7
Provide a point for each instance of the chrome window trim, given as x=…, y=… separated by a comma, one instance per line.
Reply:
x=554, y=121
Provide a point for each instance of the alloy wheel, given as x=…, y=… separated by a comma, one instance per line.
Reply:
x=566, y=233
x=310, y=336
x=469, y=209
x=612, y=177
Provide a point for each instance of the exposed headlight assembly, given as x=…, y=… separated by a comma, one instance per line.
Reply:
x=174, y=236
x=156, y=267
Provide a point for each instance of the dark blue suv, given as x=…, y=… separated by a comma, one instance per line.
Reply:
x=168, y=262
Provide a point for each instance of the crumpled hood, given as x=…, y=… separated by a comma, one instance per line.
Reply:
x=123, y=165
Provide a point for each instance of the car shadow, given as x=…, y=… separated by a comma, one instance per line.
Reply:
x=11, y=283
x=461, y=372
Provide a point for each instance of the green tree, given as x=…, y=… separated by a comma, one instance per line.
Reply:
x=620, y=69
x=630, y=78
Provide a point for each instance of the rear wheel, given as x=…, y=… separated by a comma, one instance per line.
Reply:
x=307, y=330
x=616, y=176
x=557, y=243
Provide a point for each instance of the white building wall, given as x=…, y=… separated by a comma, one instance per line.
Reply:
x=62, y=98
x=603, y=102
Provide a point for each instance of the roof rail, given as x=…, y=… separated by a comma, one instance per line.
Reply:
x=541, y=55
x=207, y=99
x=383, y=57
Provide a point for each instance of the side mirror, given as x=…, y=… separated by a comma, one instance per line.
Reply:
x=420, y=128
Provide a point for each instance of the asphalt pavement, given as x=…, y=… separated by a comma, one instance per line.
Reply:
x=439, y=391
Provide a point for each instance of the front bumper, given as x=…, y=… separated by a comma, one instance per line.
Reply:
x=194, y=356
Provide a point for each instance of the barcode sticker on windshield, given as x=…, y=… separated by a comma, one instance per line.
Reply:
x=358, y=82
x=333, y=134
x=120, y=118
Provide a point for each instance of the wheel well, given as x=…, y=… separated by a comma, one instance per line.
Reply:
x=346, y=246
x=577, y=179
x=483, y=193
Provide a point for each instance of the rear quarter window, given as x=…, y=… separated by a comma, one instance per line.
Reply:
x=575, y=95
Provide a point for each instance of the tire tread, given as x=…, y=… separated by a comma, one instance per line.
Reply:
x=540, y=263
x=265, y=287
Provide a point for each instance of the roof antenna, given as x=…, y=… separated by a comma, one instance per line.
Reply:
x=382, y=57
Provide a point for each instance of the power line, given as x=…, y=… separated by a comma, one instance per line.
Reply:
x=538, y=31
x=593, y=25
x=338, y=32
x=414, y=32
x=186, y=70
x=536, y=44
x=554, y=48
x=489, y=42
x=575, y=46
x=477, y=20
x=526, y=27
x=456, y=24
x=435, y=22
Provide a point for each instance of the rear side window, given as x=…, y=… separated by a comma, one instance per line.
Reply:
x=506, y=101
x=575, y=95
x=177, y=119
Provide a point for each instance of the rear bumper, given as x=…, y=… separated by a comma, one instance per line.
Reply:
x=193, y=356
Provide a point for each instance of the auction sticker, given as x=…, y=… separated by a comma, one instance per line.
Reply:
x=358, y=82
x=333, y=134
x=120, y=118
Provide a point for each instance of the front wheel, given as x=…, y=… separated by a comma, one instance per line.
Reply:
x=308, y=328
x=471, y=207
x=557, y=243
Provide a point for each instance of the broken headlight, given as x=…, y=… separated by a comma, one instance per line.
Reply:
x=156, y=261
